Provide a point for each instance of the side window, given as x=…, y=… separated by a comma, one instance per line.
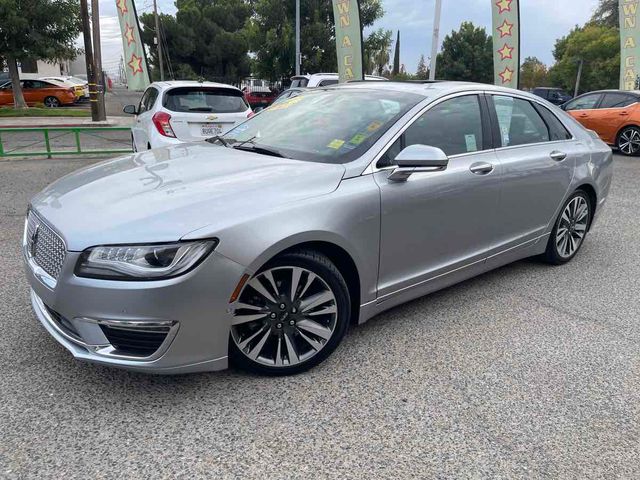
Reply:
x=390, y=155
x=455, y=126
x=586, y=102
x=153, y=95
x=519, y=122
x=617, y=100
x=557, y=130
x=144, y=101
x=326, y=83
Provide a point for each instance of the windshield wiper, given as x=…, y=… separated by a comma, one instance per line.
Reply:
x=252, y=147
x=218, y=138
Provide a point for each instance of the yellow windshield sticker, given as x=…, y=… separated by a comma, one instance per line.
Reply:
x=336, y=144
x=286, y=103
x=358, y=139
x=373, y=126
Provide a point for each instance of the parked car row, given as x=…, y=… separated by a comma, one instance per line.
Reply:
x=50, y=91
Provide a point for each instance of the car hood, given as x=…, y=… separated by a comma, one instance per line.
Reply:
x=163, y=194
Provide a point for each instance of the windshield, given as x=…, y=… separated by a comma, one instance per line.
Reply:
x=330, y=126
x=203, y=99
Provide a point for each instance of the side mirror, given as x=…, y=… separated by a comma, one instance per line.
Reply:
x=563, y=106
x=130, y=109
x=416, y=159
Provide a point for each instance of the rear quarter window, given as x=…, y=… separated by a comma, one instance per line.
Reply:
x=199, y=99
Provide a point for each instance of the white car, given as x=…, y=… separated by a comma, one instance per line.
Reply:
x=324, y=80
x=73, y=82
x=185, y=111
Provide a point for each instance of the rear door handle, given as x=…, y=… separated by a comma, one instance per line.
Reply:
x=481, y=168
x=558, y=156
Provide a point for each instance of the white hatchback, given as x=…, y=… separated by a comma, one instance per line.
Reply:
x=185, y=111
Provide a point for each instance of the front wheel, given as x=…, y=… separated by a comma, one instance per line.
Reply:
x=290, y=316
x=628, y=142
x=570, y=229
x=51, y=102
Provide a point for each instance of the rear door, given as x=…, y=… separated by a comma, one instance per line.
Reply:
x=198, y=113
x=143, y=122
x=31, y=94
x=584, y=109
x=538, y=156
x=613, y=112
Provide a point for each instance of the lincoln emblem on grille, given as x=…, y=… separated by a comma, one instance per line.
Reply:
x=34, y=240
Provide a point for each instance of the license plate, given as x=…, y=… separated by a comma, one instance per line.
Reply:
x=210, y=129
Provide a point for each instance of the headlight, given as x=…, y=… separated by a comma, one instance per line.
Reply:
x=142, y=262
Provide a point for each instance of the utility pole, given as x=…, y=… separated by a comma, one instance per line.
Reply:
x=88, y=57
x=298, y=55
x=97, y=60
x=158, y=40
x=435, y=41
x=579, y=77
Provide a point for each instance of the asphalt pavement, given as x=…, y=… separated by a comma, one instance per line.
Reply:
x=529, y=371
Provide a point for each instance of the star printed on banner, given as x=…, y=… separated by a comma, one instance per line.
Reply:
x=135, y=63
x=505, y=29
x=122, y=6
x=504, y=5
x=129, y=35
x=506, y=52
x=506, y=75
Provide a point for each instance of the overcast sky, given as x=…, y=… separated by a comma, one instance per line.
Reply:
x=542, y=22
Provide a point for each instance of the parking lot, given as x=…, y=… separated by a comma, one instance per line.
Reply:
x=529, y=371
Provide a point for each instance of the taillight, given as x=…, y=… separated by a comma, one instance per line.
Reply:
x=251, y=114
x=161, y=121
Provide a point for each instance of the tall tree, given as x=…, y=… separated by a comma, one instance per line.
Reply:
x=37, y=30
x=533, y=73
x=466, y=55
x=422, y=73
x=377, y=51
x=598, y=46
x=607, y=13
x=206, y=38
x=271, y=35
x=396, y=57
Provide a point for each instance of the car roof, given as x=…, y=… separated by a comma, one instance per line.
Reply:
x=191, y=83
x=628, y=92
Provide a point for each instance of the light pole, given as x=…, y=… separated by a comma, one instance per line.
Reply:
x=298, y=37
x=435, y=42
x=158, y=40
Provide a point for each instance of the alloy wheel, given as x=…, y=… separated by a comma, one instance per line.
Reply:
x=51, y=102
x=629, y=141
x=572, y=227
x=285, y=316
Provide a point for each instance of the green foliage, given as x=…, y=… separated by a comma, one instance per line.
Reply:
x=44, y=112
x=533, y=73
x=396, y=57
x=599, y=46
x=377, y=48
x=271, y=36
x=466, y=55
x=422, y=72
x=607, y=14
x=206, y=38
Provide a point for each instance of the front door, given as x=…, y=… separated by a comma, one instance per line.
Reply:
x=583, y=109
x=439, y=221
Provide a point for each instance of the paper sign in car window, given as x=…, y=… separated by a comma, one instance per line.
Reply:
x=373, y=126
x=336, y=144
x=358, y=138
x=286, y=104
x=472, y=144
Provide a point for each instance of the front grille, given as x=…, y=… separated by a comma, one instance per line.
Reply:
x=64, y=324
x=44, y=246
x=136, y=341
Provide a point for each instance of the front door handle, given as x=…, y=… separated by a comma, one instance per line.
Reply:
x=558, y=156
x=481, y=168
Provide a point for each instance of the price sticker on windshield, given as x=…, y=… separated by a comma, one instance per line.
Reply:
x=336, y=144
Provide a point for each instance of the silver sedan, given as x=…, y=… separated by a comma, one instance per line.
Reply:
x=262, y=246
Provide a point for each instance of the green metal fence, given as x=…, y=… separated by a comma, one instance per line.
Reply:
x=51, y=135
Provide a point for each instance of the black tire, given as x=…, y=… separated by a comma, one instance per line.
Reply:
x=51, y=102
x=628, y=141
x=553, y=255
x=321, y=266
x=133, y=145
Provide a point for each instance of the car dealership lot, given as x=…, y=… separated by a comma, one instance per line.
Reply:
x=530, y=371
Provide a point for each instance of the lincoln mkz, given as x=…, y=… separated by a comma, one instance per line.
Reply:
x=261, y=246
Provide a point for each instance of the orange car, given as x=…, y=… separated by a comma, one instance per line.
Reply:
x=39, y=92
x=613, y=114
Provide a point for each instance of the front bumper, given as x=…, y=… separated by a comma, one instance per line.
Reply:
x=192, y=309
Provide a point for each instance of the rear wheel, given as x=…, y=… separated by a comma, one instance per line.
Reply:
x=290, y=316
x=51, y=102
x=570, y=229
x=628, y=142
x=133, y=144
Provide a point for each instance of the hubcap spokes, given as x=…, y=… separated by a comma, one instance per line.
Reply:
x=285, y=315
x=572, y=227
x=630, y=142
